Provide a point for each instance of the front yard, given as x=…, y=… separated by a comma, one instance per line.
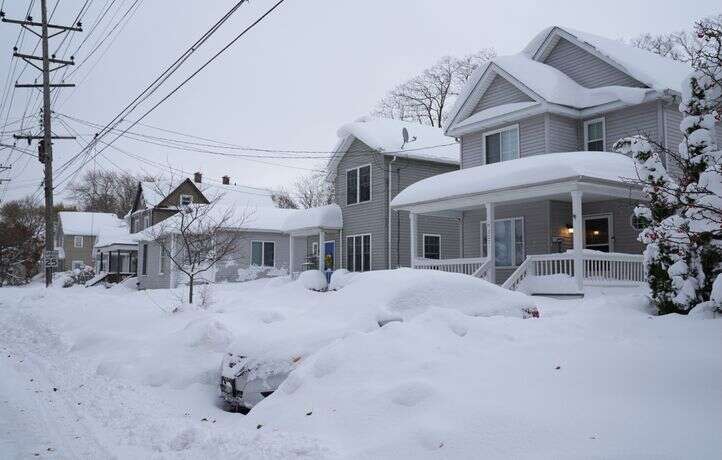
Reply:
x=99, y=373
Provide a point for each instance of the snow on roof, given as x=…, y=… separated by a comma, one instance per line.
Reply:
x=522, y=172
x=653, y=70
x=384, y=135
x=237, y=195
x=496, y=111
x=116, y=235
x=87, y=223
x=328, y=216
x=268, y=219
x=154, y=191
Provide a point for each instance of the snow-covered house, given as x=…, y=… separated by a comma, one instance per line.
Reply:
x=374, y=160
x=77, y=233
x=536, y=130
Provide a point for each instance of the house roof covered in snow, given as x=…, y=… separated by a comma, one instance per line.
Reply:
x=544, y=84
x=603, y=167
x=88, y=223
x=327, y=217
x=384, y=136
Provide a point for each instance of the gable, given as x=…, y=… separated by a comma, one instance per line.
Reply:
x=585, y=68
x=185, y=188
x=499, y=92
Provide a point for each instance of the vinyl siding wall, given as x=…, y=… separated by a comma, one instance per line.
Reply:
x=153, y=279
x=227, y=269
x=585, y=68
x=532, y=141
x=72, y=253
x=500, y=92
x=563, y=134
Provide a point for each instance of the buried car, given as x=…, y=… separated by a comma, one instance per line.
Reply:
x=253, y=369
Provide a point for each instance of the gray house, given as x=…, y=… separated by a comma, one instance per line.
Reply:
x=536, y=130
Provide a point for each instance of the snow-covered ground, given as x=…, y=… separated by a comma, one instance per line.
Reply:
x=114, y=373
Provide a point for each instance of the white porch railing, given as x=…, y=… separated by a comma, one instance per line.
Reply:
x=467, y=266
x=599, y=268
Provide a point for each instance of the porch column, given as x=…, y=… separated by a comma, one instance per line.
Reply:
x=490, y=242
x=578, y=239
x=414, y=248
x=290, y=255
x=321, y=251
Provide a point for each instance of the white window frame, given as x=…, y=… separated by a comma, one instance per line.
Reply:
x=82, y=264
x=423, y=243
x=263, y=253
x=632, y=219
x=604, y=133
x=314, y=248
x=352, y=250
x=77, y=238
x=610, y=219
x=185, y=195
x=160, y=260
x=513, y=232
x=146, y=220
x=497, y=131
x=358, y=185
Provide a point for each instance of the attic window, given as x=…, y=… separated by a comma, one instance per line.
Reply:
x=186, y=200
x=594, y=131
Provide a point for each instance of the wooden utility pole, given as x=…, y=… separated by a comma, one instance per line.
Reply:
x=45, y=146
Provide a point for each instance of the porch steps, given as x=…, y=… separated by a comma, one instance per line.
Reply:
x=96, y=279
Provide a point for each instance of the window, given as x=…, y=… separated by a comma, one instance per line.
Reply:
x=314, y=248
x=502, y=145
x=508, y=241
x=78, y=265
x=432, y=247
x=594, y=132
x=185, y=200
x=358, y=185
x=146, y=221
x=145, y=260
x=637, y=222
x=358, y=253
x=78, y=241
x=263, y=253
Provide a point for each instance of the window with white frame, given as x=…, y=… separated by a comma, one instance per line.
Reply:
x=78, y=241
x=432, y=246
x=358, y=185
x=314, y=248
x=508, y=241
x=78, y=265
x=358, y=253
x=501, y=145
x=186, y=200
x=146, y=220
x=594, y=131
x=263, y=253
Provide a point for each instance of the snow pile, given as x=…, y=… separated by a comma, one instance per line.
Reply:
x=340, y=278
x=329, y=217
x=520, y=172
x=314, y=280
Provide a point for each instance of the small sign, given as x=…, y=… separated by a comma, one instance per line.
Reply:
x=51, y=259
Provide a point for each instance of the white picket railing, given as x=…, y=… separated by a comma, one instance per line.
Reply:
x=599, y=268
x=467, y=266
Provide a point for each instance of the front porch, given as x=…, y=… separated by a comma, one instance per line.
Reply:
x=552, y=237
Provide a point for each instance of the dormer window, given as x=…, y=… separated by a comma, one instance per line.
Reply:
x=501, y=144
x=594, y=131
x=186, y=200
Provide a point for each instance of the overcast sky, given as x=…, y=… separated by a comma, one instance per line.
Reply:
x=292, y=81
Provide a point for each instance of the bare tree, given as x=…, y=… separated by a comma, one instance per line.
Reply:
x=106, y=191
x=196, y=238
x=427, y=97
x=308, y=191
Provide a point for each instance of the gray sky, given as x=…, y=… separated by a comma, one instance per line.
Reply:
x=292, y=81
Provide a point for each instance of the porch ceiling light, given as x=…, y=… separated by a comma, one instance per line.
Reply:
x=570, y=228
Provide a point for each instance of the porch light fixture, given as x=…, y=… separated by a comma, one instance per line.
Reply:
x=570, y=228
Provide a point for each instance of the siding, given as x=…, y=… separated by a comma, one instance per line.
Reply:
x=152, y=279
x=639, y=119
x=625, y=236
x=585, y=68
x=532, y=141
x=673, y=118
x=185, y=188
x=241, y=258
x=368, y=217
x=499, y=92
x=72, y=253
x=563, y=134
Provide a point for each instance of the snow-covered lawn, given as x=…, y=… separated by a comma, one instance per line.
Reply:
x=103, y=373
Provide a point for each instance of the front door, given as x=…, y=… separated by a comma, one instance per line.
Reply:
x=598, y=233
x=330, y=249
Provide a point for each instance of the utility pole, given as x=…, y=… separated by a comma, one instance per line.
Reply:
x=45, y=146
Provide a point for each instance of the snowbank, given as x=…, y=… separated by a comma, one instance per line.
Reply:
x=313, y=279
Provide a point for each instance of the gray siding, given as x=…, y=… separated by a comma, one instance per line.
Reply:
x=72, y=253
x=500, y=92
x=672, y=120
x=153, y=279
x=532, y=141
x=368, y=217
x=625, y=236
x=585, y=68
x=241, y=257
x=472, y=149
x=639, y=119
x=563, y=134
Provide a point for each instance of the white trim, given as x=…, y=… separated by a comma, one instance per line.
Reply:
x=81, y=262
x=358, y=184
x=185, y=195
x=75, y=241
x=498, y=131
x=632, y=217
x=423, y=243
x=160, y=259
x=604, y=133
x=263, y=253
x=513, y=237
x=610, y=222
x=314, y=248
x=352, y=250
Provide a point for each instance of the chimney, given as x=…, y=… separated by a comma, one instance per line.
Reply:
x=197, y=177
x=226, y=180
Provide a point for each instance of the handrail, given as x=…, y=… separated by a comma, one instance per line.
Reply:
x=518, y=276
x=467, y=266
x=483, y=271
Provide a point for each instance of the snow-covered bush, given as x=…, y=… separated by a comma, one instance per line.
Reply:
x=314, y=280
x=340, y=278
x=254, y=272
x=78, y=276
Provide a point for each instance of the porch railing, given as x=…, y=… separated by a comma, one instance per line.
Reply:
x=599, y=268
x=467, y=266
